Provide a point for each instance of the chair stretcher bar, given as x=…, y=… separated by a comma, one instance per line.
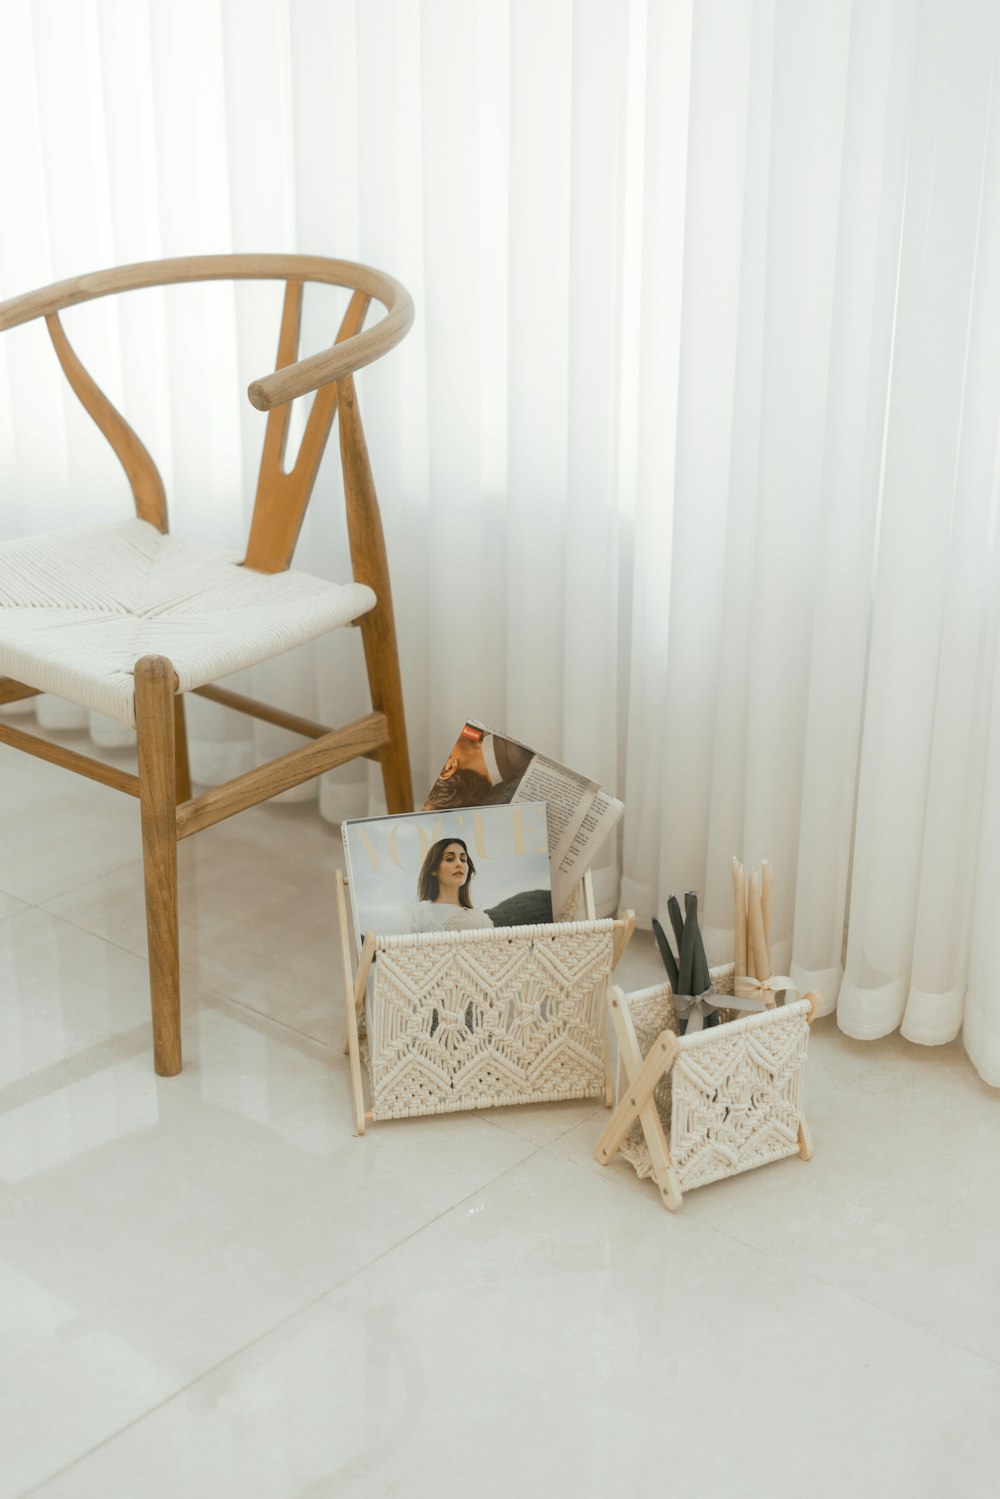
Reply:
x=362, y=737
x=94, y=770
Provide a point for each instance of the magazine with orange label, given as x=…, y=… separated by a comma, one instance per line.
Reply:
x=485, y=768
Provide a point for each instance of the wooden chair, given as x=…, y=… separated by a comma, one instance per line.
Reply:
x=124, y=619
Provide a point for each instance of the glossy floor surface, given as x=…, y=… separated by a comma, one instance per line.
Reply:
x=209, y=1287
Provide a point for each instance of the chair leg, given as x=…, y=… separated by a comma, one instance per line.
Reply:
x=378, y=627
x=385, y=685
x=155, y=685
x=182, y=769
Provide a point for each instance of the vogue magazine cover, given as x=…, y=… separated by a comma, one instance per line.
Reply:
x=485, y=767
x=473, y=868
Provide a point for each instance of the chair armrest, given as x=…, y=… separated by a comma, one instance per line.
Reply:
x=270, y=390
x=333, y=364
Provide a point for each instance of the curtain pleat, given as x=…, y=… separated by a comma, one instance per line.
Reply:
x=918, y=782
x=540, y=173
x=873, y=175
x=665, y=164
x=688, y=467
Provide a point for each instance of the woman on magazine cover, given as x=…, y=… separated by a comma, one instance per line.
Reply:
x=444, y=899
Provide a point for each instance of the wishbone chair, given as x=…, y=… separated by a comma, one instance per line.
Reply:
x=125, y=618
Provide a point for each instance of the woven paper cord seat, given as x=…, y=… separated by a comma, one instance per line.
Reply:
x=79, y=608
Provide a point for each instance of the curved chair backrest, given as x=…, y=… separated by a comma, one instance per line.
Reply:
x=282, y=498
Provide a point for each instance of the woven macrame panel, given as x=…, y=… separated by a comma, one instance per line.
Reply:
x=737, y=1095
x=473, y=1020
x=739, y=1089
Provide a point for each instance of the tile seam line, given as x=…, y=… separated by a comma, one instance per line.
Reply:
x=252, y=1342
x=216, y=994
x=90, y=879
x=211, y=992
x=991, y=1363
x=86, y=930
x=484, y=1115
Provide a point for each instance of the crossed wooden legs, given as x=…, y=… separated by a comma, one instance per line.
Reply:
x=638, y=1102
x=642, y=1075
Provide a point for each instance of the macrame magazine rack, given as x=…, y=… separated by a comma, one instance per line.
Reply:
x=693, y=1109
x=478, y=1019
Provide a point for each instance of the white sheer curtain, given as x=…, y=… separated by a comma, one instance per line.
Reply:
x=826, y=659
x=689, y=467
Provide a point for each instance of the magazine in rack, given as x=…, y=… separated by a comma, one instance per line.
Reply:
x=486, y=768
x=466, y=869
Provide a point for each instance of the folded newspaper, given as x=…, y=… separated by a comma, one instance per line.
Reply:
x=486, y=768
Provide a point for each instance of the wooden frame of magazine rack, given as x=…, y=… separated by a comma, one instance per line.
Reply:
x=484, y=946
x=736, y=1090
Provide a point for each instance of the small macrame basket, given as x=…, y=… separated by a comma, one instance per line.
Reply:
x=696, y=1108
x=445, y=1021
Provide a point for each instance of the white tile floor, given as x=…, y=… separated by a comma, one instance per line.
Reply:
x=209, y=1287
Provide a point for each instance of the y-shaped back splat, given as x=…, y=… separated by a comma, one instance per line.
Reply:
x=142, y=473
x=282, y=496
